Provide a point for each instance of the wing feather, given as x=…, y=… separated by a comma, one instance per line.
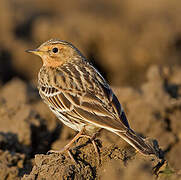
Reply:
x=96, y=105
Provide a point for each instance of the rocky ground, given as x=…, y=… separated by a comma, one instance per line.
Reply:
x=135, y=45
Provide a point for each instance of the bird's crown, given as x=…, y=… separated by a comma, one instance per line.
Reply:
x=55, y=52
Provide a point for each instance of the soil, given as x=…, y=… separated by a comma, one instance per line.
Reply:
x=135, y=45
x=28, y=130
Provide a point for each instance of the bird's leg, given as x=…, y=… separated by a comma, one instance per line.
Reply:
x=92, y=139
x=67, y=147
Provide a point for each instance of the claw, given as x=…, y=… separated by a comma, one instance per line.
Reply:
x=92, y=139
x=67, y=147
x=62, y=151
x=52, y=151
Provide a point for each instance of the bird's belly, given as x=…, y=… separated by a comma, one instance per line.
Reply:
x=72, y=123
x=75, y=124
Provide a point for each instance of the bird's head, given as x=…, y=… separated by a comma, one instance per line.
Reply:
x=56, y=52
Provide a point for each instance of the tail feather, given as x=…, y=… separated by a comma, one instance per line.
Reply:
x=137, y=142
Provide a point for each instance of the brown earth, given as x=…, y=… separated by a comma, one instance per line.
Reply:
x=28, y=130
x=137, y=47
x=123, y=38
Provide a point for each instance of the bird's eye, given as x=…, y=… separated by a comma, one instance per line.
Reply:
x=55, y=50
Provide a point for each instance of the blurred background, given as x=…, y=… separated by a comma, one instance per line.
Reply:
x=122, y=38
x=136, y=45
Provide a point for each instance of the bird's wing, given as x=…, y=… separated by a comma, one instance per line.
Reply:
x=94, y=103
x=102, y=97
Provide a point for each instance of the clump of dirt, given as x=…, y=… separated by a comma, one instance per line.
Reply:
x=11, y=165
x=28, y=130
x=123, y=38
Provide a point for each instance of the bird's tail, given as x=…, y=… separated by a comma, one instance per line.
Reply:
x=137, y=142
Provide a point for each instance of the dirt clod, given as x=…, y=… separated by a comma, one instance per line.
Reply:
x=135, y=44
x=28, y=129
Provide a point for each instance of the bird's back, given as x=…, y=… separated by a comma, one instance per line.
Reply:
x=84, y=93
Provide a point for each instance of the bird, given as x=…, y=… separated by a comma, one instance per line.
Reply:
x=80, y=97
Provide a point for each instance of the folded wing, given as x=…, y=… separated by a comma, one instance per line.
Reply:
x=97, y=106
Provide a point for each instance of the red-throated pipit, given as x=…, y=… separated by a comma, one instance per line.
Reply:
x=79, y=96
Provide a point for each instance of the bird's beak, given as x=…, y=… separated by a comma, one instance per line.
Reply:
x=34, y=51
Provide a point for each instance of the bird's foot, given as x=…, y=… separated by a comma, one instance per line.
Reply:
x=67, y=147
x=63, y=151
x=92, y=139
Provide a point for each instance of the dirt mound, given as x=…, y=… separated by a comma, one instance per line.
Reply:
x=28, y=130
x=123, y=38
